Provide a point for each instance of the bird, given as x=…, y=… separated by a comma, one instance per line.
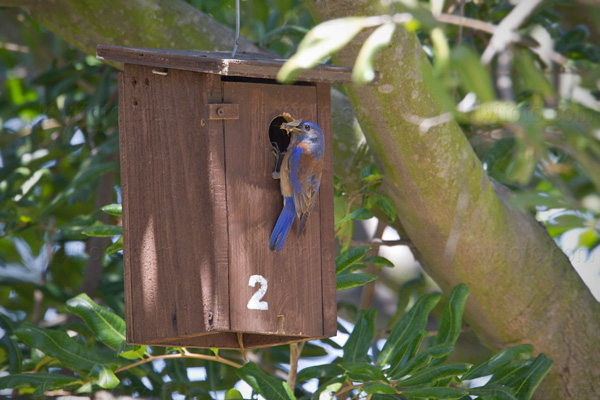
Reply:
x=300, y=179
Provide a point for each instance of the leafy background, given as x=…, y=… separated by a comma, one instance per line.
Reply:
x=59, y=146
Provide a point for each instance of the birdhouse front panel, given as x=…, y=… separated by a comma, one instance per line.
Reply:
x=288, y=293
x=200, y=202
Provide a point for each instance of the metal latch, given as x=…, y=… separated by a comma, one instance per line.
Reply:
x=223, y=111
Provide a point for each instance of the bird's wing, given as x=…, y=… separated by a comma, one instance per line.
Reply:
x=305, y=180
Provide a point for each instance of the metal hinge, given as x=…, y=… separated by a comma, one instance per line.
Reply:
x=223, y=111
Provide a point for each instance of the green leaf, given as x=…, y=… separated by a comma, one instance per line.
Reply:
x=107, y=326
x=349, y=281
x=9, y=345
x=493, y=392
x=526, y=380
x=588, y=239
x=495, y=113
x=103, y=230
x=362, y=371
x=59, y=345
x=358, y=343
x=115, y=247
x=345, y=230
x=288, y=390
x=319, y=371
x=423, y=359
x=349, y=257
x=113, y=209
x=408, y=327
x=490, y=366
x=378, y=260
x=383, y=203
x=232, y=394
x=498, y=156
x=41, y=382
x=434, y=374
x=105, y=377
x=371, y=174
x=321, y=41
x=378, y=388
x=474, y=76
x=434, y=393
x=329, y=387
x=531, y=76
x=405, y=354
x=131, y=351
x=85, y=175
x=451, y=321
x=266, y=386
x=364, y=71
x=358, y=214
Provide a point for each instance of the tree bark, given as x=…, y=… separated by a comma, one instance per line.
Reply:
x=523, y=287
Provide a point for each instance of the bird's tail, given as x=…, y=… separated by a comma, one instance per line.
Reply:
x=283, y=225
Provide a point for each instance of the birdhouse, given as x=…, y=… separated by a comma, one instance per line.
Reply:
x=200, y=202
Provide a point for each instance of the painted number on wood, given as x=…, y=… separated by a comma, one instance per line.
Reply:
x=255, y=303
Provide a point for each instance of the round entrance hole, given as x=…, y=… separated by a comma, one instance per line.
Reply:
x=277, y=136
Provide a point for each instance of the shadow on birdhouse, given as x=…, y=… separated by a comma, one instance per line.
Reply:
x=199, y=201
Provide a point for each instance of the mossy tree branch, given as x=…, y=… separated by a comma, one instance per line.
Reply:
x=523, y=287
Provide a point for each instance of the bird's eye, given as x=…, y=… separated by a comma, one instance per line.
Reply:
x=307, y=127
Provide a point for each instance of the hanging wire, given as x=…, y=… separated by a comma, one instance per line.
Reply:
x=237, y=27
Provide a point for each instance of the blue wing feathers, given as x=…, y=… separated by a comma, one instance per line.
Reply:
x=283, y=225
x=293, y=167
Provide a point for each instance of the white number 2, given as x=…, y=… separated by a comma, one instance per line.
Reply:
x=255, y=303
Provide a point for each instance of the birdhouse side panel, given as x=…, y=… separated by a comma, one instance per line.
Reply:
x=168, y=199
x=327, y=214
x=270, y=292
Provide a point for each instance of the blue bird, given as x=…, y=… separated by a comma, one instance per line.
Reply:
x=300, y=179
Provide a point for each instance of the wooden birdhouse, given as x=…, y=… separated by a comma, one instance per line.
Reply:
x=200, y=203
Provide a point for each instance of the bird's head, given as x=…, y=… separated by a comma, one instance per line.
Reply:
x=303, y=129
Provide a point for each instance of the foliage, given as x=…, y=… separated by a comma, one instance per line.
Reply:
x=532, y=116
x=402, y=366
x=59, y=140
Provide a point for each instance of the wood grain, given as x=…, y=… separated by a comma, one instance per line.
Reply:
x=169, y=219
x=251, y=65
x=200, y=204
x=218, y=188
x=327, y=215
x=254, y=204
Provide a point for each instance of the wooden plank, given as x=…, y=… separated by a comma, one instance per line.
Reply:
x=229, y=340
x=123, y=125
x=223, y=111
x=244, y=65
x=327, y=215
x=169, y=215
x=218, y=187
x=254, y=204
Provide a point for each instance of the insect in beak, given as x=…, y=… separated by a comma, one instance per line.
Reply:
x=292, y=126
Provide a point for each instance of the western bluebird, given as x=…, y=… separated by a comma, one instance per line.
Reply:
x=300, y=179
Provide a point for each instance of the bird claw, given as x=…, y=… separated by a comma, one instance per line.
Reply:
x=277, y=153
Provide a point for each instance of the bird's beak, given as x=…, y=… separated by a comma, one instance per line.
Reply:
x=291, y=126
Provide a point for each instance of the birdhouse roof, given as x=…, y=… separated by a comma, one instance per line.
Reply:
x=251, y=65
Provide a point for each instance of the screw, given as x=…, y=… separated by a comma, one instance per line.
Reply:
x=220, y=112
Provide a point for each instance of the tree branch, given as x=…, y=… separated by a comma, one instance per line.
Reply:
x=523, y=287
